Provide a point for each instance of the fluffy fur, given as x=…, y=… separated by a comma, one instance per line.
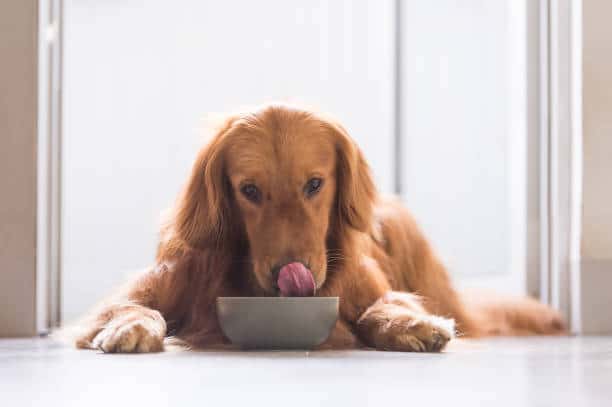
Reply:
x=395, y=293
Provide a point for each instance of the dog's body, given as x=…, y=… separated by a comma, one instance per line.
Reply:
x=281, y=186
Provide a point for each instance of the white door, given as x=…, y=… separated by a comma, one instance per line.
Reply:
x=464, y=146
x=139, y=75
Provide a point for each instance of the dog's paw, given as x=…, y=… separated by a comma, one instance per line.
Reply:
x=415, y=333
x=423, y=334
x=129, y=335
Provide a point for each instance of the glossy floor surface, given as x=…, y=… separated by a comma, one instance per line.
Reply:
x=500, y=372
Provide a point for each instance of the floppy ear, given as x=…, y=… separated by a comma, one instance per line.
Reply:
x=201, y=213
x=356, y=192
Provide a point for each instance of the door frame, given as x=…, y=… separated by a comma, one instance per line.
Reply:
x=49, y=148
x=561, y=156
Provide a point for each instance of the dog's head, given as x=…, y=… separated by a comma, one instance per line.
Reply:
x=284, y=181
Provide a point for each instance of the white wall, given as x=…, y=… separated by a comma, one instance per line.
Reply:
x=597, y=130
x=138, y=77
x=596, y=250
x=464, y=127
x=18, y=116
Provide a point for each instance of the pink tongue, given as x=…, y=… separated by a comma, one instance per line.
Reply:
x=295, y=280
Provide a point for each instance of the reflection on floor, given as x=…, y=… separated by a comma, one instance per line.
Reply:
x=500, y=372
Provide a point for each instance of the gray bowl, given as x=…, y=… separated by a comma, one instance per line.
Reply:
x=277, y=322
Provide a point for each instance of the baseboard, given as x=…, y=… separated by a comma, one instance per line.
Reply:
x=596, y=296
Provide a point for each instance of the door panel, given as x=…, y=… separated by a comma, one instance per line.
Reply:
x=464, y=135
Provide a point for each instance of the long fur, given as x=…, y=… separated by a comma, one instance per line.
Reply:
x=395, y=293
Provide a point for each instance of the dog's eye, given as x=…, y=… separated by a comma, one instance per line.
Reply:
x=251, y=192
x=313, y=186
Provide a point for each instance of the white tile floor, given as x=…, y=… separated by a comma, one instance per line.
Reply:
x=499, y=372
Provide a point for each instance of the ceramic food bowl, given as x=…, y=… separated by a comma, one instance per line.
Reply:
x=277, y=322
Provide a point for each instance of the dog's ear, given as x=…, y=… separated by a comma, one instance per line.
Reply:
x=202, y=210
x=355, y=189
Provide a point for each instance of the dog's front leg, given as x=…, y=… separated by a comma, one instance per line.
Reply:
x=398, y=322
x=133, y=321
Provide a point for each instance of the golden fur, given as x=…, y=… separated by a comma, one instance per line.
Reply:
x=395, y=294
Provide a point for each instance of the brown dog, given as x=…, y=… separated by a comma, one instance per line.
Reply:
x=281, y=201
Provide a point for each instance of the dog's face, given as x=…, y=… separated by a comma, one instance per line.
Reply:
x=287, y=178
x=283, y=178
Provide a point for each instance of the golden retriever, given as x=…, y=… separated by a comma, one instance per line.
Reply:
x=281, y=202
